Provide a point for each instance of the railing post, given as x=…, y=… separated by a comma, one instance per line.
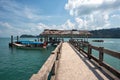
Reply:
x=53, y=69
x=82, y=45
x=79, y=45
x=101, y=55
x=89, y=51
x=58, y=52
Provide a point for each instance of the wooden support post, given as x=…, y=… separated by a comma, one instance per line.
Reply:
x=47, y=38
x=17, y=38
x=89, y=51
x=75, y=44
x=82, y=45
x=101, y=55
x=58, y=52
x=53, y=69
x=11, y=39
x=79, y=46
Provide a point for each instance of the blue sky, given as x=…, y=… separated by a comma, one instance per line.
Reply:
x=33, y=16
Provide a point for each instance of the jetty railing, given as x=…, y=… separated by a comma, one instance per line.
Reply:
x=80, y=45
x=50, y=66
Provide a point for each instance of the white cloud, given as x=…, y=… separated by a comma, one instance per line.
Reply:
x=68, y=25
x=5, y=25
x=79, y=22
x=85, y=7
x=21, y=19
x=91, y=14
x=11, y=9
x=31, y=14
x=8, y=29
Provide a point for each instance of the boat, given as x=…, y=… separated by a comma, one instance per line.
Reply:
x=97, y=40
x=29, y=45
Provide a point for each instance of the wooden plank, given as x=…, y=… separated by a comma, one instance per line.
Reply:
x=73, y=67
x=109, y=52
x=112, y=70
x=94, y=47
x=112, y=53
x=52, y=77
x=46, y=68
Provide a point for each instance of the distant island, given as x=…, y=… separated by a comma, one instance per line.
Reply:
x=27, y=36
x=106, y=33
x=102, y=33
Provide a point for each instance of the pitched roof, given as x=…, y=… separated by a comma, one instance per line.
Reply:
x=65, y=32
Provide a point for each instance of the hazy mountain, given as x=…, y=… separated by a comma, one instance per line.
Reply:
x=106, y=33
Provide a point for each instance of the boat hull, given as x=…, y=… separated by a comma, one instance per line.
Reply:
x=21, y=46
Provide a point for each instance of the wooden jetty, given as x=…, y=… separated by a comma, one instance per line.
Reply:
x=73, y=60
x=69, y=61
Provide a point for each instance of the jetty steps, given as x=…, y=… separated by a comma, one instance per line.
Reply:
x=68, y=63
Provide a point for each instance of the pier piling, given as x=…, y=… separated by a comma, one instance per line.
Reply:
x=11, y=39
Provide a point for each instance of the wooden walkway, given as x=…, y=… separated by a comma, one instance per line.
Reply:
x=77, y=67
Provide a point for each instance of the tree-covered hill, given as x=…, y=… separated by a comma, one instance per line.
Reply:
x=102, y=33
x=27, y=36
x=106, y=33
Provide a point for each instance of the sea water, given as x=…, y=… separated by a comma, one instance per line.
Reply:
x=19, y=64
x=110, y=44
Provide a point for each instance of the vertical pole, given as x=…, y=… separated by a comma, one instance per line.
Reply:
x=79, y=45
x=82, y=45
x=47, y=38
x=17, y=38
x=11, y=39
x=101, y=55
x=87, y=38
x=89, y=51
x=53, y=69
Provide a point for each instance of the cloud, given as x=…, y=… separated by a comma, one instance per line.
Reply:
x=68, y=25
x=32, y=28
x=11, y=9
x=30, y=14
x=17, y=19
x=85, y=7
x=7, y=29
x=79, y=22
x=5, y=25
x=91, y=14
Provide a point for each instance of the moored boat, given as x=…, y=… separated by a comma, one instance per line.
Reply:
x=97, y=40
x=29, y=45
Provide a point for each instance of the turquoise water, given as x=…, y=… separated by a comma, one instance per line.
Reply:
x=111, y=44
x=18, y=64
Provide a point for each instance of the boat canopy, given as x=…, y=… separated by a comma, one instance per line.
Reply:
x=30, y=42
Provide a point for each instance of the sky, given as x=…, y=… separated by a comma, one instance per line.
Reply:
x=19, y=17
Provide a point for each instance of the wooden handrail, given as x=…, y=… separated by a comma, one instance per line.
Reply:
x=112, y=53
x=101, y=51
x=106, y=51
x=49, y=65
